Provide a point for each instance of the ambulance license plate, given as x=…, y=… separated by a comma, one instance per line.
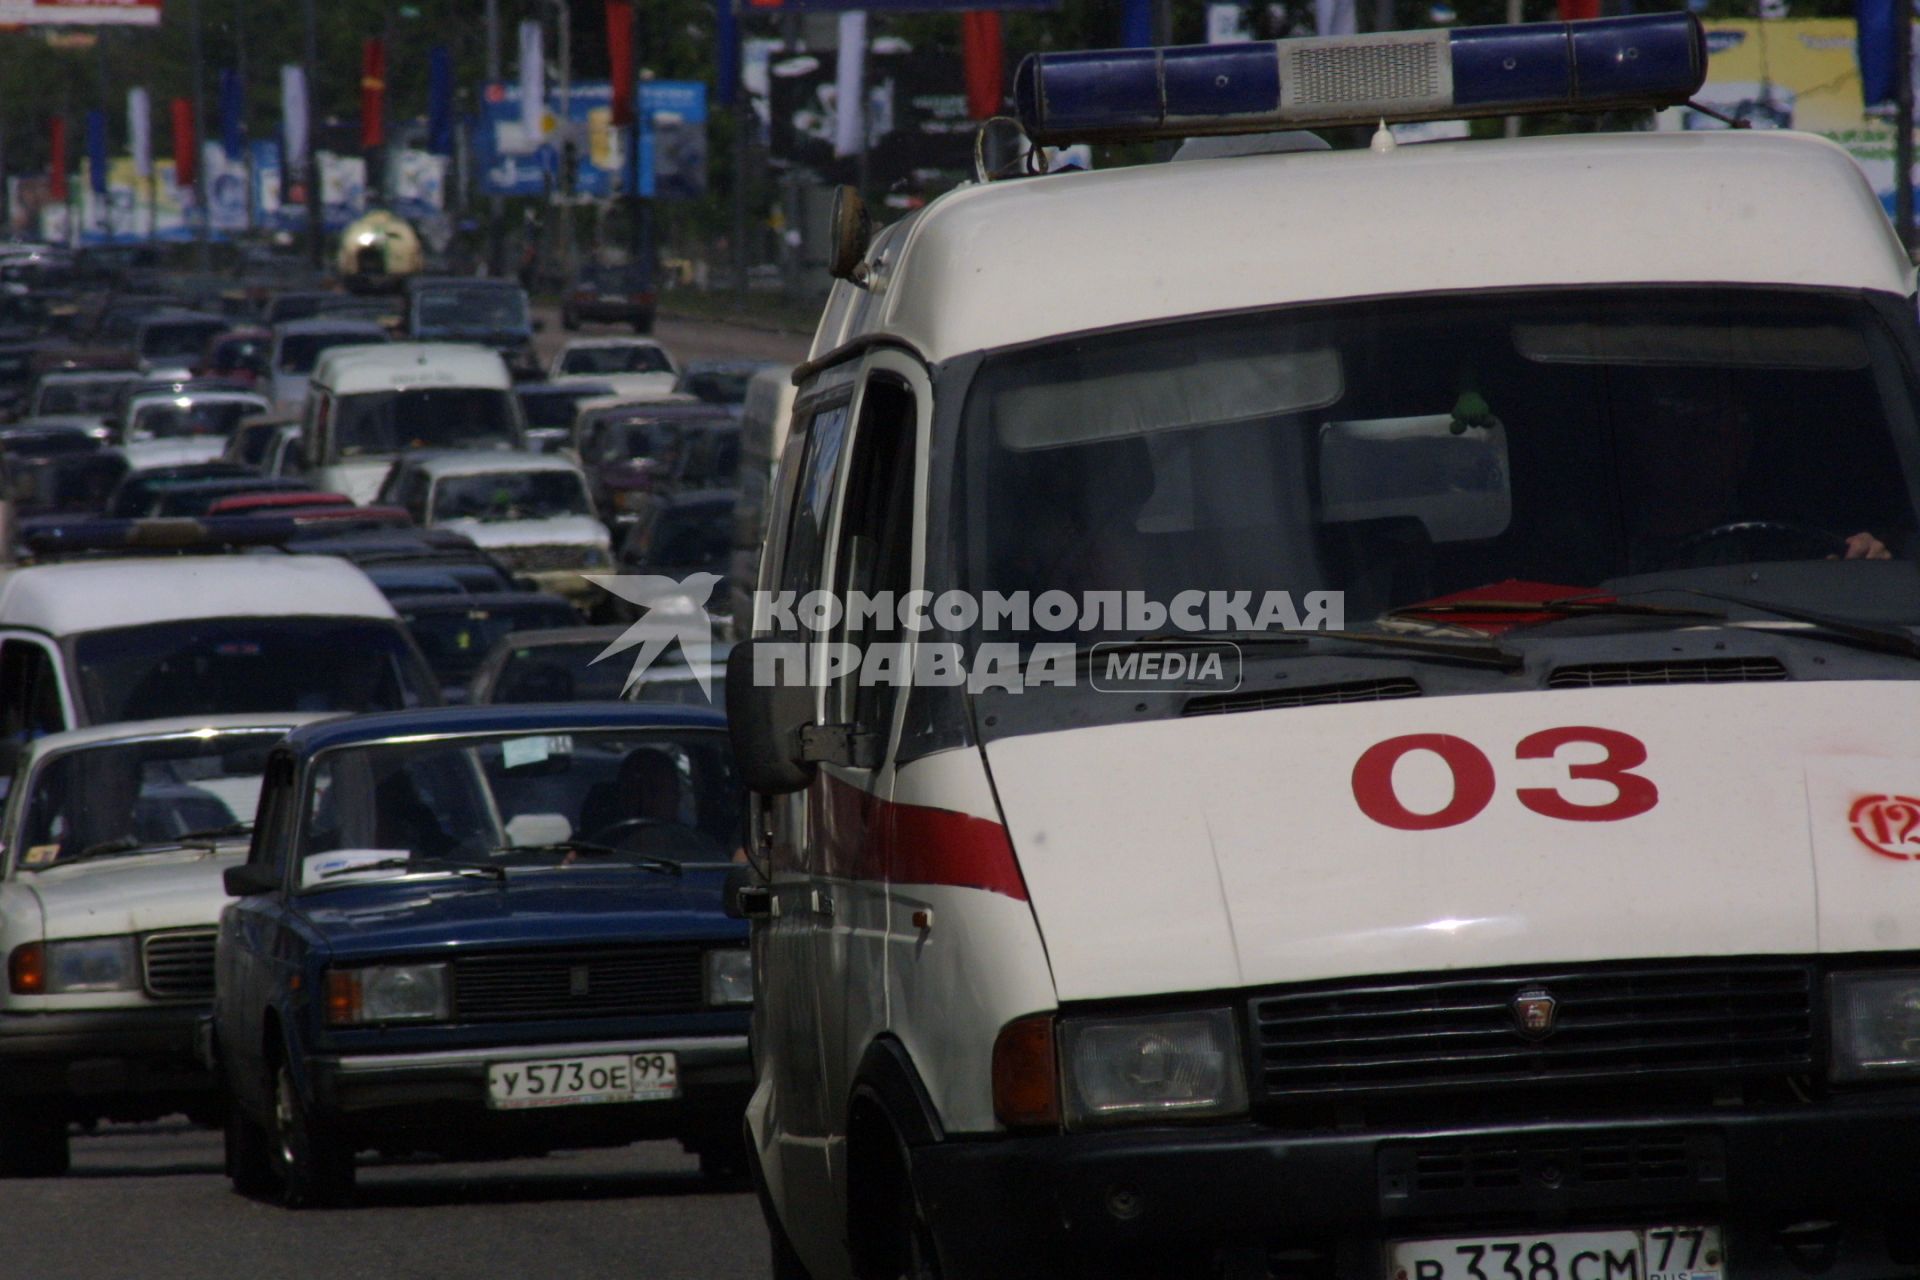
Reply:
x=570, y=1082
x=1641, y=1253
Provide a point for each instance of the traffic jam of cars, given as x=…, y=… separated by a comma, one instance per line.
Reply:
x=478, y=911
x=1328, y=760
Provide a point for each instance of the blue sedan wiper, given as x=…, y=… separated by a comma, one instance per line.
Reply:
x=665, y=866
x=407, y=864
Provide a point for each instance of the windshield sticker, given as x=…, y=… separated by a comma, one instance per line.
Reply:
x=356, y=864
x=518, y=752
x=39, y=854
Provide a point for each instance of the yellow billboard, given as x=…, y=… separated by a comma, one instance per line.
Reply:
x=1793, y=73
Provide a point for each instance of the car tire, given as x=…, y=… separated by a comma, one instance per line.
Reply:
x=569, y=321
x=312, y=1166
x=785, y=1263
x=33, y=1141
x=249, y=1155
x=643, y=326
x=723, y=1163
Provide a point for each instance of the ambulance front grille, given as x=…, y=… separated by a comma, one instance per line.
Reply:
x=1693, y=671
x=1428, y=1034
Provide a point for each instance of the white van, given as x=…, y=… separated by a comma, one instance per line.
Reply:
x=369, y=405
x=1413, y=765
x=98, y=641
x=763, y=435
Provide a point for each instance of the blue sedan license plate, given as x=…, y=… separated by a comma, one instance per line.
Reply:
x=1638, y=1253
x=568, y=1082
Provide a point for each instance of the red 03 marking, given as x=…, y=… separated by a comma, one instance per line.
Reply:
x=1474, y=784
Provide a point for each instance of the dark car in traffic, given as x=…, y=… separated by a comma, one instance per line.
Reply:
x=484, y=931
x=549, y=407
x=609, y=295
x=488, y=313
x=456, y=629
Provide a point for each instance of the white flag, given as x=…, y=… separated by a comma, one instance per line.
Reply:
x=533, y=82
x=140, y=131
x=1333, y=17
x=850, y=87
x=293, y=116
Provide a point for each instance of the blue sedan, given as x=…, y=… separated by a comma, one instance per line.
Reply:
x=484, y=931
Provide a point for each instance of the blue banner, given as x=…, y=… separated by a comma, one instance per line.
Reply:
x=97, y=151
x=440, y=101
x=673, y=139
x=671, y=150
x=726, y=55
x=233, y=105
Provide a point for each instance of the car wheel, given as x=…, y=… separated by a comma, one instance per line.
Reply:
x=569, y=321
x=314, y=1168
x=918, y=1258
x=724, y=1162
x=786, y=1264
x=643, y=325
x=249, y=1157
x=33, y=1141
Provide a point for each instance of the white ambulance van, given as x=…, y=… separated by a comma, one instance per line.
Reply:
x=1452, y=811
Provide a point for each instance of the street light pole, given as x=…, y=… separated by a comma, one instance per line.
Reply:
x=316, y=236
x=1903, y=123
x=202, y=253
x=569, y=154
x=240, y=73
x=494, y=204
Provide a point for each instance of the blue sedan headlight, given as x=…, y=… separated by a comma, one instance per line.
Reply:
x=388, y=993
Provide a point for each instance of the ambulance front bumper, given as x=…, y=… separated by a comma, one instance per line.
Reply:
x=1827, y=1189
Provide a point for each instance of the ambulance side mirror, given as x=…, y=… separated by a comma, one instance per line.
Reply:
x=850, y=235
x=765, y=721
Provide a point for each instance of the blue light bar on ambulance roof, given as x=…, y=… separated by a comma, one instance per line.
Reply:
x=1651, y=60
x=52, y=539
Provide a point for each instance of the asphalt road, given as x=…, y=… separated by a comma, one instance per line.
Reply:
x=152, y=1202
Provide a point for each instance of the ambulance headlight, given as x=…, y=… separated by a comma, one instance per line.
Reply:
x=1876, y=1025
x=1152, y=1067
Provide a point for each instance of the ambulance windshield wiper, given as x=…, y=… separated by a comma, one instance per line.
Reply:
x=1479, y=653
x=1860, y=635
x=1567, y=607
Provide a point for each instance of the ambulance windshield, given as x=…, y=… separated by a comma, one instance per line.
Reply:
x=1403, y=450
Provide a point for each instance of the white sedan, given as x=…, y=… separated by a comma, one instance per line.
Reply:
x=110, y=900
x=636, y=368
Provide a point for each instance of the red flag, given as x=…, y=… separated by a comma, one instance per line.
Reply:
x=373, y=92
x=1575, y=10
x=57, y=165
x=185, y=158
x=985, y=58
x=620, y=54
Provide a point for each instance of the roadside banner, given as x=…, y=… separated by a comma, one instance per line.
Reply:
x=293, y=113
x=140, y=131
x=80, y=13
x=1793, y=73
x=533, y=80
x=672, y=146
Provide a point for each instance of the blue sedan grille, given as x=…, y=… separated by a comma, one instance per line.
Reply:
x=602, y=983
